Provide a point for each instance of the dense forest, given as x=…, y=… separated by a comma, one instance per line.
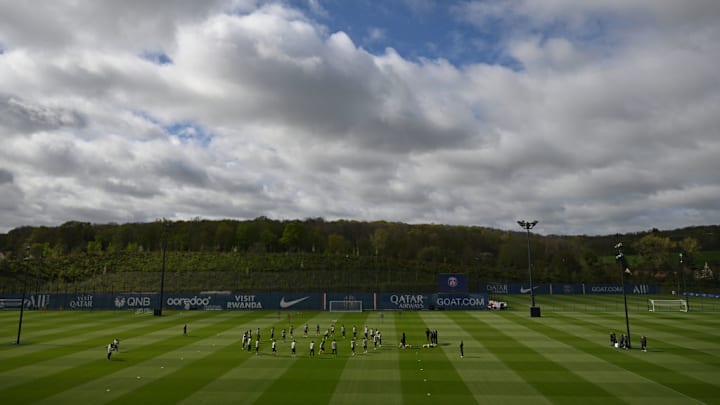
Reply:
x=317, y=255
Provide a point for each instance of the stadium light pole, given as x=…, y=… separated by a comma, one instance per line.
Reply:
x=158, y=311
x=528, y=225
x=682, y=277
x=620, y=258
x=22, y=301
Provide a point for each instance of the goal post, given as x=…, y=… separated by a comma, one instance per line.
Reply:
x=667, y=305
x=346, y=306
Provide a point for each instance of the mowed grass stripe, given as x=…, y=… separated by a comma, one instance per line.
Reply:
x=216, y=350
x=79, y=367
x=44, y=326
x=203, y=338
x=633, y=361
x=49, y=322
x=697, y=345
x=488, y=378
x=101, y=331
x=555, y=381
x=698, y=357
x=375, y=378
x=73, y=340
x=428, y=371
x=311, y=380
x=569, y=345
x=252, y=375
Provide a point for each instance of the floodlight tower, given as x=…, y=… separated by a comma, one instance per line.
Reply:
x=684, y=289
x=166, y=225
x=528, y=225
x=620, y=258
x=22, y=301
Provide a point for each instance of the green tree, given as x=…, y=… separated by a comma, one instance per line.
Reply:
x=292, y=235
x=337, y=244
x=247, y=234
x=379, y=240
x=689, y=247
x=225, y=236
x=655, y=251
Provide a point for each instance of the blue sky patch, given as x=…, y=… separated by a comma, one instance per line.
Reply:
x=185, y=131
x=189, y=132
x=157, y=57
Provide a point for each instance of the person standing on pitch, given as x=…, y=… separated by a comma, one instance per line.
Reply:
x=643, y=343
x=185, y=330
x=312, y=348
x=274, y=347
x=110, y=349
x=352, y=346
x=333, y=346
x=292, y=348
x=257, y=346
x=462, y=349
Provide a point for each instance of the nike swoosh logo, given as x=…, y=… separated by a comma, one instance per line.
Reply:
x=525, y=290
x=287, y=304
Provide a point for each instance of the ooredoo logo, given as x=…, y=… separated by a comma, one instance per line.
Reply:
x=452, y=282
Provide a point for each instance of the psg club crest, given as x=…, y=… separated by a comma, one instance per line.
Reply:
x=452, y=283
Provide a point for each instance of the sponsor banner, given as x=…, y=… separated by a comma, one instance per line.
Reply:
x=242, y=301
x=368, y=299
x=460, y=301
x=566, y=289
x=496, y=288
x=136, y=300
x=52, y=301
x=198, y=301
x=453, y=283
x=704, y=295
x=504, y=288
x=539, y=289
x=32, y=301
x=642, y=289
x=404, y=301
x=293, y=301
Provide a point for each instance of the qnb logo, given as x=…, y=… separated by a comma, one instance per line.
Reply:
x=452, y=282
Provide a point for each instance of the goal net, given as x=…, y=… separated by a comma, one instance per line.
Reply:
x=346, y=306
x=667, y=305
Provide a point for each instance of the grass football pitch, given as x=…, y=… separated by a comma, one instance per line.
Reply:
x=563, y=357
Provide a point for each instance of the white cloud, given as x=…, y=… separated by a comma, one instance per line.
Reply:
x=262, y=111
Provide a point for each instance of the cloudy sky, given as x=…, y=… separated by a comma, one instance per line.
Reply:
x=592, y=117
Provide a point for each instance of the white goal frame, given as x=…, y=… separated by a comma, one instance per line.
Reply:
x=667, y=305
x=345, y=306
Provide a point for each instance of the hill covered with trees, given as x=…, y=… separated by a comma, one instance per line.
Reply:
x=317, y=255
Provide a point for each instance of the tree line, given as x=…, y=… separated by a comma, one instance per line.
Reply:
x=263, y=254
